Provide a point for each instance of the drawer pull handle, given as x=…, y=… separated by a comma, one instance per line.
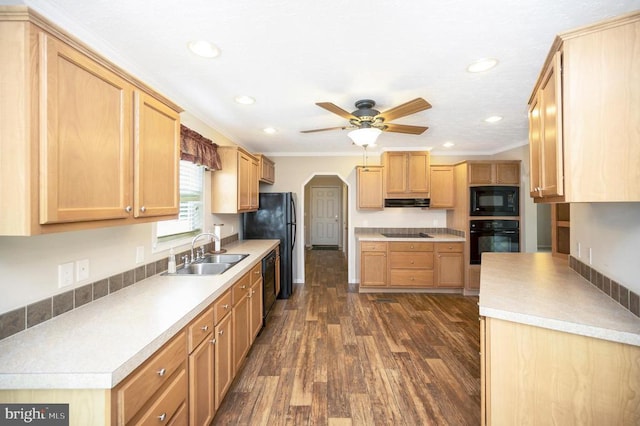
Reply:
x=162, y=372
x=205, y=327
x=162, y=416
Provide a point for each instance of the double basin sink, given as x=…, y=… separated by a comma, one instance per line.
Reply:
x=210, y=264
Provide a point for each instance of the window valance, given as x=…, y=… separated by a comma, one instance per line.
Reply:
x=199, y=150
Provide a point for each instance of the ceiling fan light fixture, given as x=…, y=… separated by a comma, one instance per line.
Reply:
x=204, y=48
x=482, y=65
x=365, y=136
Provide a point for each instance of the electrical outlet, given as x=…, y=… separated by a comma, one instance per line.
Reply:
x=139, y=254
x=590, y=258
x=65, y=274
x=82, y=269
x=579, y=254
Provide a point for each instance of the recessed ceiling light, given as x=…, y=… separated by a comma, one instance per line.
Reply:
x=245, y=100
x=269, y=130
x=482, y=65
x=448, y=144
x=493, y=119
x=204, y=48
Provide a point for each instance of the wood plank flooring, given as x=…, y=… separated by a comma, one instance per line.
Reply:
x=332, y=356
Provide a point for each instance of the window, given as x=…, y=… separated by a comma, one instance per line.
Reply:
x=190, y=217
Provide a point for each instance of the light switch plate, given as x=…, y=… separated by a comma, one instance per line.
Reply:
x=65, y=274
x=139, y=254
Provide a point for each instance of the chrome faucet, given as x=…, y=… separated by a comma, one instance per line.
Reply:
x=193, y=242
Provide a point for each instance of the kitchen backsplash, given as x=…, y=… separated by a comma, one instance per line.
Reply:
x=619, y=293
x=25, y=317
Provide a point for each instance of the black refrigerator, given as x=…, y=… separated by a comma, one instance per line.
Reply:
x=275, y=219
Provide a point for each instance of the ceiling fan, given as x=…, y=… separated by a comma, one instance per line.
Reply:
x=365, y=116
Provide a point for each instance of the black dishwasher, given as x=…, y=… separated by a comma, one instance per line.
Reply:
x=268, y=283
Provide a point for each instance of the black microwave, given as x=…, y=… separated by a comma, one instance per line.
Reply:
x=494, y=201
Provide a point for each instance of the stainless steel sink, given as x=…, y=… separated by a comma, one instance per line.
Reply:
x=223, y=258
x=204, y=268
x=211, y=264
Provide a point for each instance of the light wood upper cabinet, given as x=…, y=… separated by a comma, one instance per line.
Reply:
x=406, y=174
x=234, y=189
x=585, y=143
x=82, y=144
x=494, y=172
x=157, y=158
x=86, y=149
x=370, y=188
x=443, y=192
x=267, y=169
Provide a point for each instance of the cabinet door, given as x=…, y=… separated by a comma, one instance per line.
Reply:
x=450, y=270
x=535, y=147
x=370, y=189
x=241, y=324
x=201, y=383
x=507, y=173
x=395, y=169
x=85, y=146
x=418, y=172
x=224, y=358
x=256, y=309
x=551, y=110
x=157, y=158
x=373, y=269
x=480, y=173
x=244, y=182
x=254, y=184
x=442, y=187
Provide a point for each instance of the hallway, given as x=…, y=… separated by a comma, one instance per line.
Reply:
x=332, y=356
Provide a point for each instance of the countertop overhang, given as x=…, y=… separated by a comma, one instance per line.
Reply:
x=97, y=345
x=540, y=290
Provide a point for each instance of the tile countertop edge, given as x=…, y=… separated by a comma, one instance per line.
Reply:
x=534, y=289
x=112, y=376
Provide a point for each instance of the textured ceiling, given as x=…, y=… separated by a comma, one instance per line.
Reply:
x=289, y=54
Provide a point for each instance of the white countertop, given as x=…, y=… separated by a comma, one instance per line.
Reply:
x=437, y=238
x=99, y=344
x=540, y=290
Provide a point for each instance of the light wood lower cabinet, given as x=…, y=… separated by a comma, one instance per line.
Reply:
x=157, y=388
x=449, y=265
x=201, y=365
x=532, y=375
x=373, y=264
x=411, y=264
x=241, y=320
x=255, y=303
x=224, y=371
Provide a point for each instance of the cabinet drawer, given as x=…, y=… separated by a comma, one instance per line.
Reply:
x=168, y=403
x=200, y=328
x=449, y=247
x=256, y=273
x=373, y=246
x=410, y=246
x=241, y=288
x=136, y=390
x=410, y=278
x=221, y=307
x=411, y=260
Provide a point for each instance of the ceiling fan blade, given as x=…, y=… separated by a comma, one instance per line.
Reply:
x=405, y=109
x=335, y=109
x=322, y=130
x=404, y=128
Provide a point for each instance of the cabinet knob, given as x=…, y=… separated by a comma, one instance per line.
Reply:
x=128, y=209
x=162, y=372
x=212, y=341
x=162, y=416
x=143, y=209
x=205, y=328
x=226, y=306
x=221, y=332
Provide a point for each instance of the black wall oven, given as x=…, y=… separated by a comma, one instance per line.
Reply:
x=493, y=236
x=494, y=201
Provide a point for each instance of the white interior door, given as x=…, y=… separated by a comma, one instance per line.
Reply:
x=325, y=216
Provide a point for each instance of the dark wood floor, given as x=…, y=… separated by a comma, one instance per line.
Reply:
x=331, y=356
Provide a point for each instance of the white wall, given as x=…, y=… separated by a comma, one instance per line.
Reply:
x=612, y=232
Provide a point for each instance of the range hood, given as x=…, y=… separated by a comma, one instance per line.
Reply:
x=407, y=202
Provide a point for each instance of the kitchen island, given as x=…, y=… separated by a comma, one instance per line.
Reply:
x=554, y=348
x=80, y=356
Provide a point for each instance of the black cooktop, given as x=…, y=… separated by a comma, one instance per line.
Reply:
x=406, y=235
